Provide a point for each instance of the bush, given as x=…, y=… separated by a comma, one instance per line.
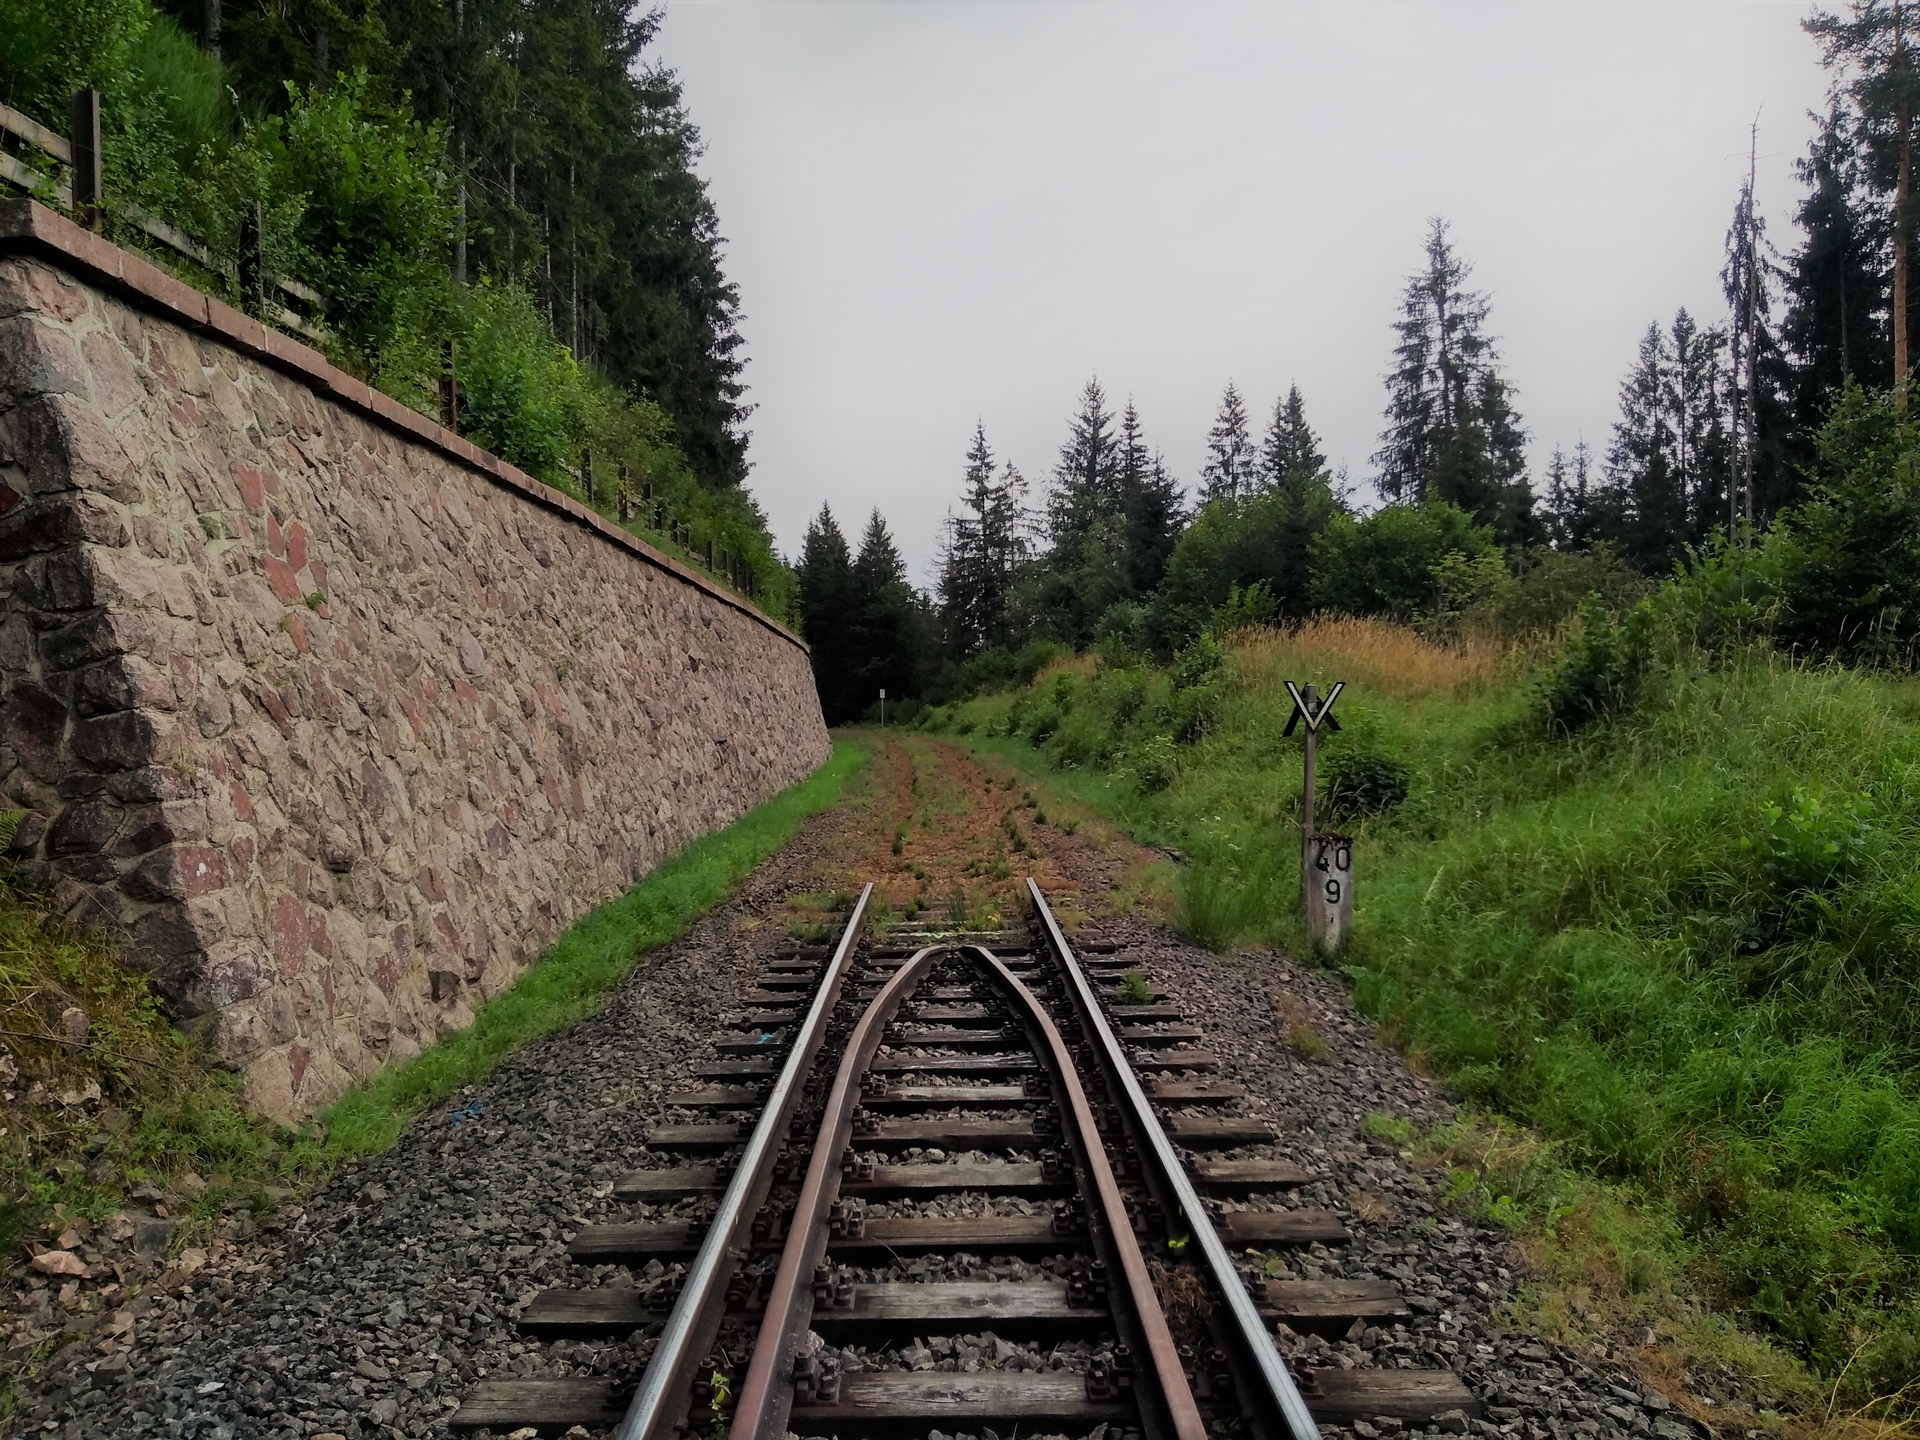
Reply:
x=1545, y=590
x=526, y=397
x=1849, y=559
x=1264, y=540
x=1385, y=564
x=1606, y=664
x=1196, y=688
x=1153, y=764
x=375, y=229
x=1362, y=782
x=1245, y=609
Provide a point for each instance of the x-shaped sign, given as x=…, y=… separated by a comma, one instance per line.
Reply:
x=1314, y=718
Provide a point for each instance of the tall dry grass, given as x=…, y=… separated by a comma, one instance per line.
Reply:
x=1372, y=654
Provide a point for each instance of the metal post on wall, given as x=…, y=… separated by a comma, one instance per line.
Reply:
x=84, y=138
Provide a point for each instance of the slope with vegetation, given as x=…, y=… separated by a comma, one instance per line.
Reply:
x=497, y=203
x=1641, y=881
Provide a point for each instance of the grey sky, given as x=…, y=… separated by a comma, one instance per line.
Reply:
x=940, y=211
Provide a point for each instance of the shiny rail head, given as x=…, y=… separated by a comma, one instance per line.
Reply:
x=1279, y=1396
x=659, y=1405
x=789, y=1297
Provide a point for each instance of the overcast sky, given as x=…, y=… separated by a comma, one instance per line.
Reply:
x=943, y=211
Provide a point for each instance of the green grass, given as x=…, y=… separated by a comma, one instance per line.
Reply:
x=1682, y=949
x=594, y=955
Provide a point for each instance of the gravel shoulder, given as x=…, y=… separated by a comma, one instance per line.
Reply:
x=371, y=1307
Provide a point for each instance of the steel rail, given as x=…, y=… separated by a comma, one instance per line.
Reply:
x=1281, y=1393
x=659, y=1405
x=766, y=1395
x=1170, y=1377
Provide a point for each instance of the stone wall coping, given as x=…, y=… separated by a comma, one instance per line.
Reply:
x=27, y=227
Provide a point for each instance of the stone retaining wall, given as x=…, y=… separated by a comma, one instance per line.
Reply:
x=337, y=719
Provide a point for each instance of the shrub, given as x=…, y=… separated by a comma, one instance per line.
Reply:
x=375, y=230
x=1849, y=559
x=527, y=399
x=1363, y=782
x=1546, y=587
x=1153, y=764
x=1385, y=564
x=1199, y=663
x=1245, y=609
x=1605, y=666
x=1258, y=541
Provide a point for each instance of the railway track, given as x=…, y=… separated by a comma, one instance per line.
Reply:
x=960, y=1183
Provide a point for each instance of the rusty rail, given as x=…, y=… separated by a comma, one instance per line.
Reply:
x=1170, y=1380
x=1258, y=1358
x=659, y=1406
x=766, y=1396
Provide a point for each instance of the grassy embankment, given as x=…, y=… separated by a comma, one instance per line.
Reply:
x=164, y=1109
x=1672, y=961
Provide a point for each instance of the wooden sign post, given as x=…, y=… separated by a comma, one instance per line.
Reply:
x=1326, y=899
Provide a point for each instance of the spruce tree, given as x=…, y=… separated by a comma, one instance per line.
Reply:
x=1760, y=421
x=1290, y=444
x=1836, y=323
x=1574, y=508
x=1442, y=349
x=1697, y=405
x=1871, y=52
x=1642, y=473
x=1150, y=509
x=1669, y=464
x=1084, y=567
x=1232, y=464
x=1452, y=433
x=985, y=544
x=1083, y=479
x=886, y=628
x=826, y=598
